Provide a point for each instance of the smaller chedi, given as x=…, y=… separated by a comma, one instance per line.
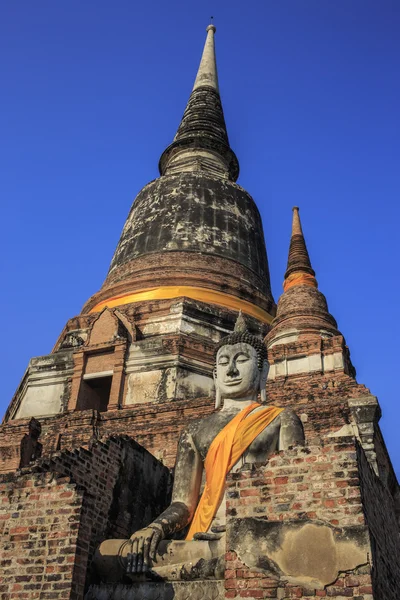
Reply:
x=241, y=431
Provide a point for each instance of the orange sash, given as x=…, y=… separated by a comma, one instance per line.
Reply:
x=224, y=452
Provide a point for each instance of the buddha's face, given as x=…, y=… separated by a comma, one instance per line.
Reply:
x=237, y=374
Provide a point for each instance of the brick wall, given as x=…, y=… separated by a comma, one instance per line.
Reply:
x=319, y=483
x=157, y=427
x=321, y=400
x=54, y=514
x=380, y=515
x=39, y=522
x=310, y=484
x=241, y=582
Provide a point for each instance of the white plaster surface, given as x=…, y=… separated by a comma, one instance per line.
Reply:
x=190, y=160
x=142, y=387
x=41, y=400
x=177, y=322
x=345, y=431
x=298, y=365
x=315, y=362
x=194, y=385
x=307, y=364
x=328, y=362
x=338, y=362
x=150, y=386
x=287, y=337
x=167, y=384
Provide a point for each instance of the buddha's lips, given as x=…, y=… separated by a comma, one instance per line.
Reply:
x=233, y=382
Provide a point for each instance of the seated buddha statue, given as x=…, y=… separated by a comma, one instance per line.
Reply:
x=240, y=431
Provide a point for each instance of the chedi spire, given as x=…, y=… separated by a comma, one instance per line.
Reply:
x=201, y=142
x=302, y=309
x=303, y=324
x=207, y=73
x=192, y=232
x=299, y=270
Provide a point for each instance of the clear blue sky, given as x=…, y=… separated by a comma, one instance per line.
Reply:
x=93, y=91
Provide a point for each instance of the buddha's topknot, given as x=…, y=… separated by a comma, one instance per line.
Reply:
x=241, y=335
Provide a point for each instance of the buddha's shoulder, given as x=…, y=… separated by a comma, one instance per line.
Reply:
x=288, y=416
x=217, y=420
x=210, y=422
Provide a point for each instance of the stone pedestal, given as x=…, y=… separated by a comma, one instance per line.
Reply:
x=178, y=590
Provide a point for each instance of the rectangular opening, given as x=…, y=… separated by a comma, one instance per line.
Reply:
x=94, y=393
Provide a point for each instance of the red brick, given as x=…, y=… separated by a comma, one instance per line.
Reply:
x=281, y=480
x=365, y=589
x=249, y=492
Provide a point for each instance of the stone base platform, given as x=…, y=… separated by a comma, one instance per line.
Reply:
x=178, y=590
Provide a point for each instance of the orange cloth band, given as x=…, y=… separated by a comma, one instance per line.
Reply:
x=224, y=452
x=196, y=293
x=299, y=279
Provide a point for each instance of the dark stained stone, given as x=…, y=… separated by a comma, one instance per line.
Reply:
x=203, y=126
x=195, y=212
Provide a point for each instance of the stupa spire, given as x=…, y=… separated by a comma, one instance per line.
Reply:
x=303, y=320
x=299, y=270
x=207, y=73
x=201, y=142
x=192, y=232
x=302, y=309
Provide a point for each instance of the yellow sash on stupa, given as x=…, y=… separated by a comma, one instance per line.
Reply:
x=224, y=452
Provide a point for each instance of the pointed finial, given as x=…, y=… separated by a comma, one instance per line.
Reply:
x=299, y=270
x=296, y=224
x=211, y=26
x=240, y=325
x=201, y=142
x=207, y=73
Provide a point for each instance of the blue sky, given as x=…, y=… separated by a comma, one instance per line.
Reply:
x=92, y=92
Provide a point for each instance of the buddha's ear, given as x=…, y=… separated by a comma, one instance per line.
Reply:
x=263, y=380
x=218, y=400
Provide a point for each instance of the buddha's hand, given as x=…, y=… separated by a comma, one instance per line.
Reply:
x=144, y=547
x=213, y=536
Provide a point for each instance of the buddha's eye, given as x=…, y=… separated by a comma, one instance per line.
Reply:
x=242, y=358
x=223, y=360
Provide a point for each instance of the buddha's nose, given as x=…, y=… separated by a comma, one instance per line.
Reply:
x=232, y=371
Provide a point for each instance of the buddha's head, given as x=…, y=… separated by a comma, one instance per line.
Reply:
x=241, y=367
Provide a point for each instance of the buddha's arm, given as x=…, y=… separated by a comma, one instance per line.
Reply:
x=291, y=430
x=185, y=494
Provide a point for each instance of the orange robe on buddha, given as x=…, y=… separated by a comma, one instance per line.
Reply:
x=224, y=452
